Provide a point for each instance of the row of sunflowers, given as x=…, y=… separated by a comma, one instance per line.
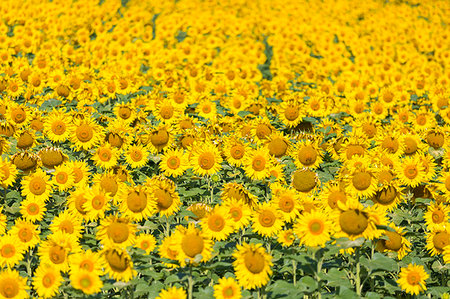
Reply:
x=224, y=149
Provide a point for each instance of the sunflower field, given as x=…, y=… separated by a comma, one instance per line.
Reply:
x=224, y=149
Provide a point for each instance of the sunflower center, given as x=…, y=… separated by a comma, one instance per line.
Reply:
x=206, y=160
x=354, y=149
x=228, y=292
x=51, y=157
x=361, y=180
x=78, y=174
x=192, y=244
x=145, y=244
x=353, y=222
x=118, y=232
x=61, y=177
x=441, y=239
x=8, y=250
x=18, y=115
x=304, y=181
x=259, y=163
x=85, y=282
x=124, y=112
x=48, y=280
x=114, y=139
x=336, y=196
x=37, y=186
x=291, y=113
x=277, y=147
x=421, y=119
x=25, y=235
x=236, y=213
x=87, y=265
x=164, y=199
x=316, y=227
x=166, y=112
x=58, y=127
x=109, y=184
x=254, y=262
x=136, y=202
x=413, y=278
x=237, y=151
x=33, y=209
x=438, y=216
x=391, y=144
x=307, y=155
x=267, y=218
x=136, y=155
x=9, y=287
x=66, y=226
x=84, y=133
x=159, y=138
x=104, y=154
x=79, y=202
x=57, y=254
x=262, y=131
x=410, y=146
x=216, y=223
x=173, y=162
x=447, y=183
x=411, y=171
x=395, y=241
x=98, y=202
x=386, y=196
x=117, y=261
x=435, y=139
x=286, y=204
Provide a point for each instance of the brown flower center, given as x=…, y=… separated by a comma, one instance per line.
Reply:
x=137, y=202
x=307, y=155
x=361, y=180
x=192, y=244
x=304, y=181
x=57, y=254
x=353, y=222
x=254, y=262
x=58, y=127
x=410, y=171
x=37, y=186
x=84, y=133
x=206, y=160
x=118, y=261
x=316, y=227
x=216, y=223
x=118, y=232
x=237, y=151
x=259, y=163
x=9, y=287
x=164, y=199
x=267, y=218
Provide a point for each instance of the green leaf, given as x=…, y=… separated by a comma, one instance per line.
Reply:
x=171, y=279
x=382, y=262
x=347, y=293
x=308, y=282
x=205, y=293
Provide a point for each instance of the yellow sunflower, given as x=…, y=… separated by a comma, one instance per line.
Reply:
x=11, y=251
x=86, y=260
x=252, y=265
x=234, y=150
x=106, y=156
x=36, y=186
x=63, y=177
x=436, y=216
x=68, y=223
x=32, y=210
x=290, y=113
x=194, y=246
x=8, y=173
x=146, y=242
x=331, y=194
x=162, y=190
x=86, y=134
x=98, y=201
x=172, y=293
x=157, y=139
x=12, y=285
x=388, y=196
x=412, y=279
x=26, y=232
x=124, y=112
x=307, y=154
x=362, y=182
x=238, y=211
x=286, y=237
x=136, y=155
x=278, y=144
x=118, y=264
x=46, y=281
x=267, y=220
x=86, y=281
x=437, y=240
x=116, y=232
x=227, y=288
x=57, y=126
x=76, y=201
x=257, y=164
x=170, y=250
x=237, y=191
x=56, y=249
x=410, y=171
x=394, y=242
x=80, y=170
x=287, y=201
x=205, y=159
x=137, y=204
x=314, y=228
x=174, y=162
x=217, y=224
x=305, y=181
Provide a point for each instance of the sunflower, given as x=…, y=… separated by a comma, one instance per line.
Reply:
x=57, y=126
x=56, y=249
x=238, y=211
x=235, y=150
x=217, y=224
x=67, y=223
x=146, y=242
x=11, y=251
x=12, y=285
x=237, y=191
x=172, y=293
x=25, y=138
x=287, y=201
x=267, y=220
x=307, y=154
x=411, y=144
x=444, y=186
x=206, y=109
x=8, y=173
x=412, y=279
x=193, y=245
x=116, y=232
x=174, y=162
x=106, y=156
x=436, y=216
x=227, y=288
x=77, y=200
x=162, y=190
x=205, y=159
x=362, y=182
x=257, y=164
x=410, y=171
x=314, y=228
x=290, y=113
x=46, y=281
x=18, y=114
x=111, y=183
x=166, y=112
x=331, y=194
x=26, y=232
x=305, y=181
x=286, y=237
x=261, y=130
x=32, y=210
x=118, y=264
x=86, y=134
x=86, y=260
x=252, y=265
x=170, y=250
x=36, y=186
x=394, y=242
x=436, y=138
x=63, y=177
x=51, y=157
x=86, y=281
x=157, y=139
x=388, y=196
x=437, y=240
x=80, y=170
x=124, y=112
x=137, y=204
x=136, y=155
x=98, y=201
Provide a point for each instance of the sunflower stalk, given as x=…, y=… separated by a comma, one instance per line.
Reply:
x=190, y=283
x=358, y=272
x=294, y=271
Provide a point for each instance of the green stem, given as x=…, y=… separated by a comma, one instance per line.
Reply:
x=358, y=271
x=190, y=283
x=294, y=271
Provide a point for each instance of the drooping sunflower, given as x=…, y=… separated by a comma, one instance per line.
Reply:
x=194, y=246
x=162, y=190
x=218, y=224
x=436, y=216
x=111, y=183
x=237, y=191
x=26, y=232
x=227, y=288
x=36, y=186
x=157, y=139
x=80, y=170
x=68, y=223
x=51, y=157
x=174, y=162
x=252, y=265
x=305, y=181
x=172, y=293
x=77, y=200
x=86, y=281
x=234, y=150
x=412, y=279
x=32, y=210
x=146, y=242
x=105, y=156
x=46, y=281
x=361, y=182
x=437, y=240
x=331, y=193
x=278, y=144
x=314, y=228
x=267, y=220
x=11, y=251
x=116, y=231
x=118, y=264
x=388, y=196
x=12, y=285
x=257, y=164
x=137, y=204
x=410, y=171
x=394, y=242
x=205, y=159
